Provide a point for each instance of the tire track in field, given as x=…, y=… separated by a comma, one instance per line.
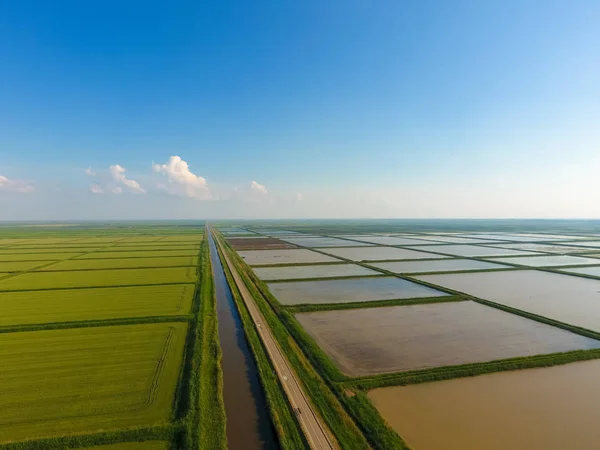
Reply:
x=160, y=368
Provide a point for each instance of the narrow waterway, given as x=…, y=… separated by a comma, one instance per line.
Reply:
x=248, y=422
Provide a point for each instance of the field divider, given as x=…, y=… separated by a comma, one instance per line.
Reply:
x=94, y=323
x=469, y=370
x=137, y=434
x=94, y=287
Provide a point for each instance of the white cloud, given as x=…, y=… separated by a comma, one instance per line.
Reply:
x=181, y=180
x=116, y=190
x=118, y=174
x=96, y=189
x=299, y=197
x=90, y=172
x=259, y=188
x=15, y=185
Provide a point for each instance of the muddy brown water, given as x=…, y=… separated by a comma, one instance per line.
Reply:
x=248, y=423
x=370, y=341
x=554, y=408
x=570, y=299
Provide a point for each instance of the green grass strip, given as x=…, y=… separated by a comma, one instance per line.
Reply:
x=470, y=370
x=158, y=433
x=94, y=323
x=310, y=307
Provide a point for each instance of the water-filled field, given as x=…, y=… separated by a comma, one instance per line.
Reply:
x=379, y=254
x=547, y=261
x=473, y=250
x=553, y=408
x=391, y=240
x=349, y=290
x=285, y=256
x=569, y=299
x=591, y=271
x=313, y=271
x=437, y=265
x=390, y=339
x=323, y=242
x=548, y=248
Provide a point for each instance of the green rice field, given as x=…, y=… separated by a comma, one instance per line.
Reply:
x=97, y=278
x=115, y=253
x=123, y=263
x=67, y=381
x=66, y=305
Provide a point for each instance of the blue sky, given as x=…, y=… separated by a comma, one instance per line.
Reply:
x=299, y=109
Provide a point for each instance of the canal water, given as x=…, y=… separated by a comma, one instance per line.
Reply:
x=248, y=423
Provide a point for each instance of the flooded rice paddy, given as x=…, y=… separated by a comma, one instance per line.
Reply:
x=553, y=408
x=437, y=265
x=548, y=248
x=570, y=299
x=324, y=242
x=518, y=237
x=257, y=243
x=380, y=254
x=548, y=261
x=591, y=244
x=433, y=239
x=313, y=271
x=592, y=271
x=370, y=341
x=285, y=256
x=391, y=240
x=474, y=250
x=349, y=291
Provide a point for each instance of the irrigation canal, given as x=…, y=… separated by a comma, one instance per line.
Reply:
x=248, y=422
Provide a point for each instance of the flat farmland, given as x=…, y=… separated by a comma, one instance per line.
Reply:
x=122, y=263
x=257, y=243
x=33, y=307
x=380, y=254
x=193, y=251
x=371, y=341
x=7, y=257
x=437, y=265
x=146, y=445
x=350, y=290
x=591, y=271
x=324, y=242
x=284, y=256
x=98, y=278
x=61, y=382
x=569, y=299
x=148, y=248
x=391, y=240
x=474, y=250
x=548, y=248
x=18, y=266
x=553, y=408
x=548, y=261
x=53, y=248
x=313, y=271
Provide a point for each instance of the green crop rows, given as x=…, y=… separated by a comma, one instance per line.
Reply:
x=117, y=350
